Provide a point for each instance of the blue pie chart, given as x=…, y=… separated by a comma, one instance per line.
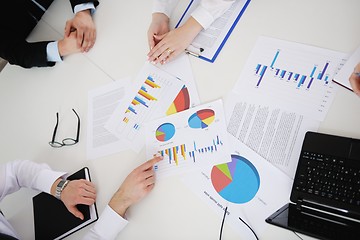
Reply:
x=237, y=181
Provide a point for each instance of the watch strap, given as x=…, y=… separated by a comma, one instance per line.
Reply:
x=60, y=187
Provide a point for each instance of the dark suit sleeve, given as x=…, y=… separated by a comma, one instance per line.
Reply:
x=25, y=54
x=76, y=2
x=15, y=27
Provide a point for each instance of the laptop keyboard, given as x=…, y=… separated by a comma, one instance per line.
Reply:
x=329, y=177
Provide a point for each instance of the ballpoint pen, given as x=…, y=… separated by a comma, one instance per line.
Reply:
x=192, y=53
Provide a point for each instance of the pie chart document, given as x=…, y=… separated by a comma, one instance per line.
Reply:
x=250, y=186
x=189, y=139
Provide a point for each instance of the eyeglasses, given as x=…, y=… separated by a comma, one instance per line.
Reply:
x=223, y=220
x=66, y=141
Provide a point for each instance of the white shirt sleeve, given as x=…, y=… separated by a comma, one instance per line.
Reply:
x=107, y=227
x=209, y=10
x=164, y=6
x=205, y=14
x=23, y=173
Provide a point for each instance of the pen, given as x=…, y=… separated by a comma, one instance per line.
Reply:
x=192, y=53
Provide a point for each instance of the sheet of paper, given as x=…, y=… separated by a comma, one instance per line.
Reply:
x=188, y=139
x=274, y=133
x=246, y=185
x=293, y=76
x=151, y=94
x=213, y=38
x=342, y=77
x=102, y=102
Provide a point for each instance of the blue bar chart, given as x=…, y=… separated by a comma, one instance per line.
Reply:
x=291, y=75
x=305, y=81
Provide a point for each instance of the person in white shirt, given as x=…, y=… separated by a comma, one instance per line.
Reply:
x=24, y=173
x=355, y=79
x=164, y=44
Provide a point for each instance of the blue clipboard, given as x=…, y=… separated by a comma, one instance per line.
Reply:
x=226, y=36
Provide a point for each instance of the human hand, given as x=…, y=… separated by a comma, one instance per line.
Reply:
x=85, y=29
x=135, y=187
x=78, y=192
x=175, y=42
x=159, y=26
x=355, y=79
x=68, y=45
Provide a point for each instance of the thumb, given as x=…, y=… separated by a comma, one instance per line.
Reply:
x=76, y=212
x=159, y=37
x=67, y=29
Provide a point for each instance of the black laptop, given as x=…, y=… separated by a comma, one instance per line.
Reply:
x=325, y=196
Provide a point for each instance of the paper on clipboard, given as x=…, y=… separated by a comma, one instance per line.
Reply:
x=213, y=39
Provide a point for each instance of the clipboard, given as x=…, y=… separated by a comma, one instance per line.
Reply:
x=212, y=48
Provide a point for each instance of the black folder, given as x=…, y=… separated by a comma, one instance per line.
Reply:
x=52, y=220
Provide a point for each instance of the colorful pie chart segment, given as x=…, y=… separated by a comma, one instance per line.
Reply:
x=181, y=102
x=165, y=132
x=202, y=118
x=237, y=181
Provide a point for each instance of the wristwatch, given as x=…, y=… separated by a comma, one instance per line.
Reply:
x=60, y=187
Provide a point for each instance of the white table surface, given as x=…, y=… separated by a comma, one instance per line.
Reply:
x=29, y=99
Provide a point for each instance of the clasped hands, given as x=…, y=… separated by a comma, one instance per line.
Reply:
x=80, y=34
x=165, y=45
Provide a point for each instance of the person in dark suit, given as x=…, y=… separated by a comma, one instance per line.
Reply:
x=19, y=17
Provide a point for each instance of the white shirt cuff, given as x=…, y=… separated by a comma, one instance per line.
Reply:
x=203, y=17
x=109, y=224
x=52, y=52
x=84, y=6
x=164, y=6
x=46, y=179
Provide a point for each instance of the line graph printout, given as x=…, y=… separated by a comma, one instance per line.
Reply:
x=194, y=137
x=153, y=92
x=292, y=75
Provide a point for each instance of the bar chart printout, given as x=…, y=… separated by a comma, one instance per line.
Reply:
x=189, y=146
x=153, y=93
x=291, y=75
x=287, y=75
